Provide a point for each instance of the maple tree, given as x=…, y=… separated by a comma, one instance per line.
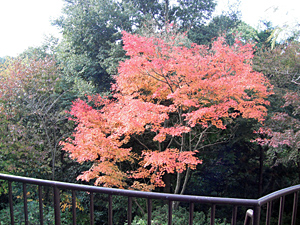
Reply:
x=170, y=94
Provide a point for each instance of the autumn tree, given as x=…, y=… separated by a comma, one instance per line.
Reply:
x=167, y=97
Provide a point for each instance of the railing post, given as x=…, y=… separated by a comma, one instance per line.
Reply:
x=56, y=205
x=41, y=205
x=170, y=213
x=91, y=208
x=25, y=203
x=281, y=208
x=295, y=206
x=234, y=215
x=256, y=215
x=149, y=205
x=74, y=206
x=269, y=213
x=212, y=214
x=129, y=211
x=191, y=213
x=110, y=212
x=12, y=221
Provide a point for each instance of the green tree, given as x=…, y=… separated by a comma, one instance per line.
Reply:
x=92, y=47
x=218, y=26
x=260, y=37
x=27, y=98
x=191, y=14
x=87, y=27
x=33, y=99
x=47, y=49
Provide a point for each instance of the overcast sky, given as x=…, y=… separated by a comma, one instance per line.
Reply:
x=25, y=23
x=277, y=11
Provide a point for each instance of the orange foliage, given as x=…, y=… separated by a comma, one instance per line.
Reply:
x=168, y=91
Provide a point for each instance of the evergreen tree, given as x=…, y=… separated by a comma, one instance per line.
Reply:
x=92, y=46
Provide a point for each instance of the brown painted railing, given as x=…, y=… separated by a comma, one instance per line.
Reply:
x=252, y=216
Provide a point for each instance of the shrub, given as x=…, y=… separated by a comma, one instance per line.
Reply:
x=179, y=217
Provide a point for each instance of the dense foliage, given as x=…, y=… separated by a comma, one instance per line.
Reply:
x=180, y=108
x=29, y=115
x=92, y=48
x=281, y=130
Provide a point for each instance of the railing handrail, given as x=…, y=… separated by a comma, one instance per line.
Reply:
x=155, y=195
x=277, y=194
x=139, y=194
x=252, y=217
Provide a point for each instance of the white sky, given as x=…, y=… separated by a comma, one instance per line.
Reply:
x=279, y=12
x=25, y=23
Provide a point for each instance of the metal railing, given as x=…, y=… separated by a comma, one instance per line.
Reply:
x=252, y=216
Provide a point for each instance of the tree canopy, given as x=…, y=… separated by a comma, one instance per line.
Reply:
x=173, y=94
x=91, y=31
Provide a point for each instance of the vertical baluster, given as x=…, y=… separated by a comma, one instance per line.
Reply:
x=256, y=215
x=234, y=215
x=149, y=204
x=295, y=206
x=25, y=203
x=11, y=203
x=170, y=213
x=41, y=205
x=129, y=211
x=269, y=213
x=212, y=214
x=91, y=208
x=56, y=205
x=110, y=212
x=281, y=209
x=191, y=213
x=74, y=206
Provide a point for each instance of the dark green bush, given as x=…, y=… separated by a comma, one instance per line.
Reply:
x=179, y=217
x=34, y=217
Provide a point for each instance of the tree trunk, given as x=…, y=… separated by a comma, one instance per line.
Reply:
x=176, y=204
x=176, y=191
x=166, y=12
